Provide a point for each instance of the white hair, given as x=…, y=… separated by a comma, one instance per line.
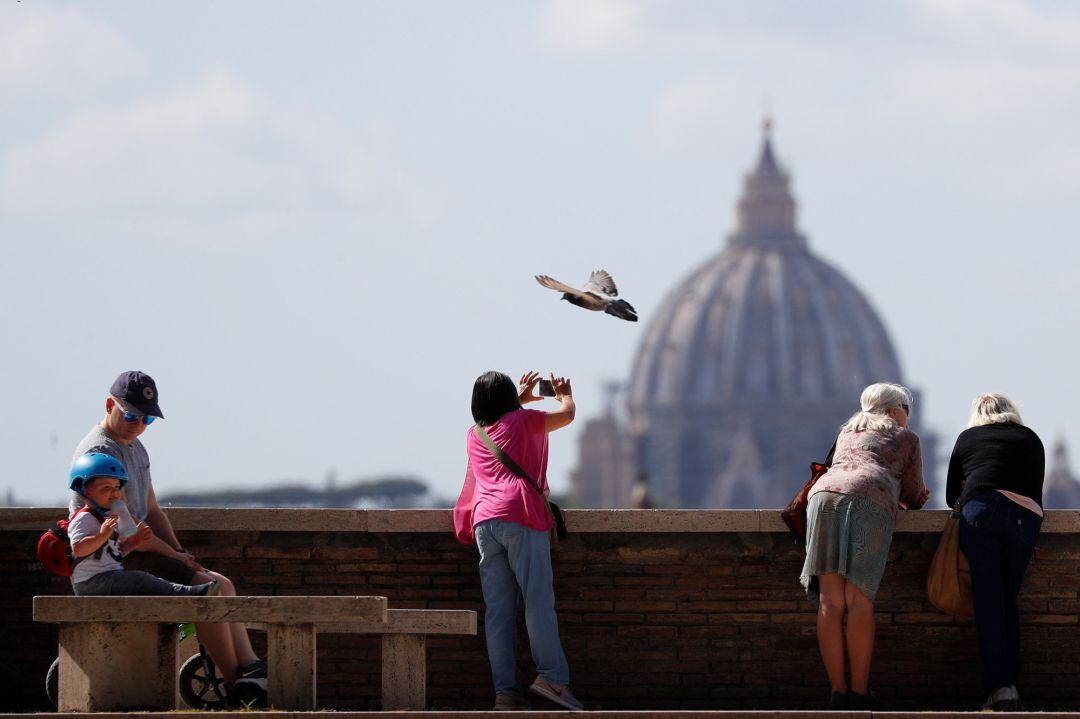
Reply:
x=993, y=408
x=876, y=401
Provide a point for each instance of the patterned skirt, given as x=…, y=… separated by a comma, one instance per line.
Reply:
x=849, y=535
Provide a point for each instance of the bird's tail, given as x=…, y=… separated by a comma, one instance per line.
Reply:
x=623, y=310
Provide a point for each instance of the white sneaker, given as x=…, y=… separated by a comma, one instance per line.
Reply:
x=556, y=693
x=1002, y=699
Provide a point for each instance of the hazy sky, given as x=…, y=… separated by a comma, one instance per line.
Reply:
x=315, y=223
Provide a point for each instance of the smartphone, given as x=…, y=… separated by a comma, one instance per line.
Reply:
x=546, y=390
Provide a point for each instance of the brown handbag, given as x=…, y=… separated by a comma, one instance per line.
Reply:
x=948, y=584
x=794, y=515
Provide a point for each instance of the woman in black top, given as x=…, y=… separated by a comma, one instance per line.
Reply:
x=996, y=475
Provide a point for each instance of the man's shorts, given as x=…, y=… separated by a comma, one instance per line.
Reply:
x=160, y=566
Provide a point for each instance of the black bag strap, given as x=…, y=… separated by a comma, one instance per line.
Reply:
x=832, y=451
x=506, y=460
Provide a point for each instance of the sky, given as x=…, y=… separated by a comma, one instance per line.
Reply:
x=316, y=223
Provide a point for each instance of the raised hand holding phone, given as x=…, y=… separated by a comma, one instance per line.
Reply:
x=527, y=386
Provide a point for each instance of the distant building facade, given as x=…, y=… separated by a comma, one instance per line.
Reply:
x=744, y=374
x=1061, y=490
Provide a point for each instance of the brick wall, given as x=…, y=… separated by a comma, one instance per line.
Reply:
x=707, y=614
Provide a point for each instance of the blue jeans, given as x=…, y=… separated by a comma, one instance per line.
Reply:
x=516, y=560
x=998, y=537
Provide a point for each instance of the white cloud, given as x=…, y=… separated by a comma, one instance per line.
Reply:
x=58, y=54
x=589, y=25
x=980, y=92
x=212, y=150
x=695, y=107
x=996, y=24
x=960, y=74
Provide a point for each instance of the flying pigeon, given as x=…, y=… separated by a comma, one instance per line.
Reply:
x=599, y=294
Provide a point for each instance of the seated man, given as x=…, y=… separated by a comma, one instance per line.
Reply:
x=132, y=405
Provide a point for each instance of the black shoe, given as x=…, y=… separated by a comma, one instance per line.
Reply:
x=838, y=700
x=253, y=675
x=248, y=694
x=865, y=702
x=255, y=669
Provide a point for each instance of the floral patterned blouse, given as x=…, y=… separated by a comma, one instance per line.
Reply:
x=884, y=466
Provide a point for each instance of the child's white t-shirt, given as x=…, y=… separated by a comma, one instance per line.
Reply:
x=106, y=559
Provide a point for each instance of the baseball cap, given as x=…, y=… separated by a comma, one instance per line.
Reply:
x=138, y=391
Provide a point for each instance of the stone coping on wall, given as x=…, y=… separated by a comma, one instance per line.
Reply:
x=553, y=714
x=585, y=521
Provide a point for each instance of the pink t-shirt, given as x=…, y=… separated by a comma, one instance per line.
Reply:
x=498, y=492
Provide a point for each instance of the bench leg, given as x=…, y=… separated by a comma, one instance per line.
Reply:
x=291, y=666
x=117, y=666
x=404, y=672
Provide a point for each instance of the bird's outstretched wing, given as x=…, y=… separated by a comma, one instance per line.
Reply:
x=601, y=283
x=553, y=284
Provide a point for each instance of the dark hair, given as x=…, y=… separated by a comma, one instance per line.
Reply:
x=493, y=395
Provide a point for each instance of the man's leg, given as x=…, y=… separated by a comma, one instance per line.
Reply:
x=217, y=637
x=237, y=630
x=227, y=643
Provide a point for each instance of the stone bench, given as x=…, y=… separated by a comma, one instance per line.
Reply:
x=404, y=649
x=118, y=653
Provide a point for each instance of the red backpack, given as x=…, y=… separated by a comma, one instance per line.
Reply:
x=54, y=547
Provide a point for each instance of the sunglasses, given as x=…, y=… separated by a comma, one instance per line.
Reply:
x=133, y=417
x=906, y=408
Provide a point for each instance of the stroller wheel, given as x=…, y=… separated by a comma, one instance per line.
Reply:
x=201, y=685
x=52, y=683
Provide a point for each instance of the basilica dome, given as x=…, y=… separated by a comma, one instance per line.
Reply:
x=762, y=320
x=752, y=362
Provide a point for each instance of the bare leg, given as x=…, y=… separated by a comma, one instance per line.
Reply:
x=218, y=641
x=860, y=636
x=238, y=630
x=830, y=628
x=217, y=636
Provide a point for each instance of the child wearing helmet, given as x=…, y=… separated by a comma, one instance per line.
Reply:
x=96, y=548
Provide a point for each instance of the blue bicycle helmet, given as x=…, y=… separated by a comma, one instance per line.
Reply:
x=96, y=464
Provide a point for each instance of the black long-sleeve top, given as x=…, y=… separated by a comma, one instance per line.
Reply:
x=1005, y=456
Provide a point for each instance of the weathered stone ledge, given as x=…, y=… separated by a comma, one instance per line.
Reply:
x=584, y=521
x=594, y=714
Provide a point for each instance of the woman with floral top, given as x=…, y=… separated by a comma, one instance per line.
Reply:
x=877, y=469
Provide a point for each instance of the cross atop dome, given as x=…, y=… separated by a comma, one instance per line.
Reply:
x=768, y=164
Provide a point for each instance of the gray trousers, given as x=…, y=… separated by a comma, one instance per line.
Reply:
x=132, y=582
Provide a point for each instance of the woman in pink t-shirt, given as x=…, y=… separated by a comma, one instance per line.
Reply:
x=510, y=522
